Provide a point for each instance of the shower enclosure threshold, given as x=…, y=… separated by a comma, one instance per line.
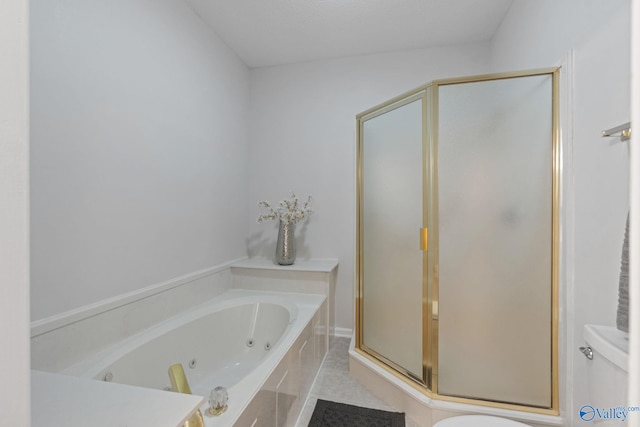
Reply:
x=423, y=409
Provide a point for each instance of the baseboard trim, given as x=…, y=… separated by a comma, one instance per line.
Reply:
x=342, y=332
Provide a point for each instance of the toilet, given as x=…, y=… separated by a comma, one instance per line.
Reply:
x=478, y=421
x=607, y=353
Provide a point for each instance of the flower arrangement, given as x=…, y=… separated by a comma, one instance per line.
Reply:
x=288, y=211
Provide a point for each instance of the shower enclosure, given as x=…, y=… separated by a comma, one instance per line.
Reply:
x=457, y=239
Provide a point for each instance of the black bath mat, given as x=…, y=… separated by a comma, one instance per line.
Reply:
x=333, y=414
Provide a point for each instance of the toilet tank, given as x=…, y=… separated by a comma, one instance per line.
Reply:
x=607, y=371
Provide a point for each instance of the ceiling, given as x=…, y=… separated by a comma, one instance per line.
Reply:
x=272, y=32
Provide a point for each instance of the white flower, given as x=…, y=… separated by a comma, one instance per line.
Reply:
x=288, y=211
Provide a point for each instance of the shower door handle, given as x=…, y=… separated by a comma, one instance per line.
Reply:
x=424, y=239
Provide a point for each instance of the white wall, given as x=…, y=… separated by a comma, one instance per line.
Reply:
x=139, y=149
x=14, y=216
x=540, y=34
x=303, y=139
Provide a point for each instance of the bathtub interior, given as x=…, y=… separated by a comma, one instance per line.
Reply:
x=219, y=348
x=258, y=344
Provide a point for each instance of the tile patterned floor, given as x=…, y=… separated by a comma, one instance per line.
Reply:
x=334, y=382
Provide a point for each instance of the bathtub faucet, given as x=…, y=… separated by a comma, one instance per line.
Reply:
x=179, y=384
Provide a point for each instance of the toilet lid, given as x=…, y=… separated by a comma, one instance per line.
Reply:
x=478, y=421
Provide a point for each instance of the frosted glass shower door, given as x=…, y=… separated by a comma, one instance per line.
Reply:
x=495, y=215
x=392, y=206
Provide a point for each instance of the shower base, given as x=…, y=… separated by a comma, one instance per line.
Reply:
x=422, y=409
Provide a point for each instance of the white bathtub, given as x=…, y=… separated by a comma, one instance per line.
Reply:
x=236, y=340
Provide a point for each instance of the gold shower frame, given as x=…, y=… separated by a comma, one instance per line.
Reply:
x=428, y=384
